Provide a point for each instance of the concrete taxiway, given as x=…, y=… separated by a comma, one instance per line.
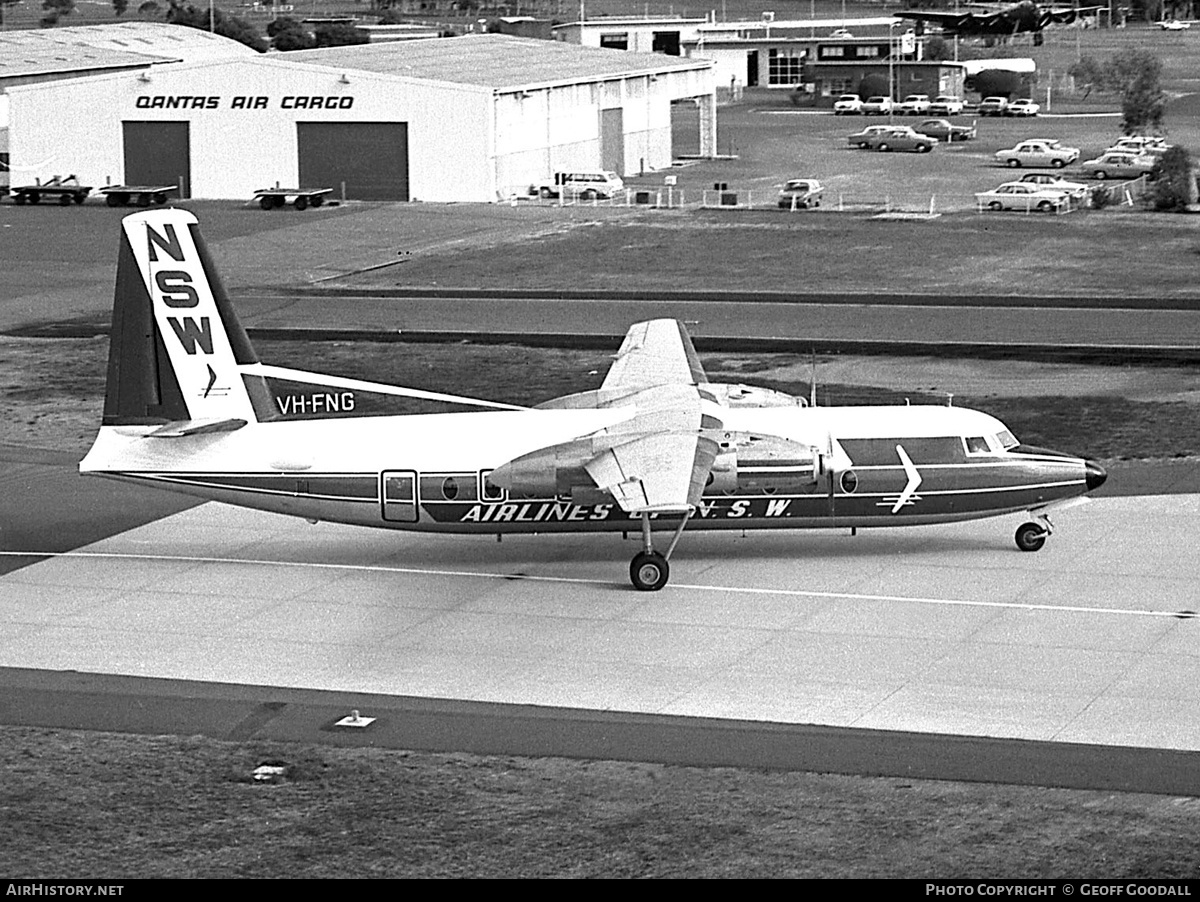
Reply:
x=928, y=630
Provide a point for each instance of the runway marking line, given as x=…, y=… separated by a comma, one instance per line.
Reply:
x=482, y=574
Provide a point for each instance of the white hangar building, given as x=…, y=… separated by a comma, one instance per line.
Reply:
x=475, y=118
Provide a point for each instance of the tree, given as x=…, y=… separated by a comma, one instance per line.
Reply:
x=225, y=25
x=55, y=10
x=5, y=4
x=339, y=35
x=936, y=48
x=288, y=34
x=120, y=6
x=149, y=8
x=996, y=83
x=1174, y=181
x=1087, y=71
x=873, y=86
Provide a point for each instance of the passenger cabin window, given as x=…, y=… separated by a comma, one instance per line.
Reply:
x=488, y=491
x=448, y=487
x=977, y=444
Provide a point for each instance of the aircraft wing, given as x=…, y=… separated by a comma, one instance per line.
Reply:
x=659, y=473
x=948, y=21
x=655, y=352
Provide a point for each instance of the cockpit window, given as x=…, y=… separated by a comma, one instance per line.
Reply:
x=1007, y=440
x=977, y=444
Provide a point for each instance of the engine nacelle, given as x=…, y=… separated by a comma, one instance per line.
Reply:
x=758, y=463
x=548, y=473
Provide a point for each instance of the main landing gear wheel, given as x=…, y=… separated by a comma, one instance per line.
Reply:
x=1031, y=536
x=649, y=571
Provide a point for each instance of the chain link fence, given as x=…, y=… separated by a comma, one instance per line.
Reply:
x=1099, y=194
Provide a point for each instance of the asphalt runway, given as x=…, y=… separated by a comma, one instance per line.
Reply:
x=937, y=652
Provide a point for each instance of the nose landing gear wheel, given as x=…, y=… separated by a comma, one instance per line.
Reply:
x=649, y=571
x=1031, y=536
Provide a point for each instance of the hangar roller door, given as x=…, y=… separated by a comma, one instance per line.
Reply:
x=158, y=153
x=370, y=157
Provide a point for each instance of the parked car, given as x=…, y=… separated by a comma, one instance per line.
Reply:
x=1114, y=164
x=847, y=105
x=901, y=137
x=800, y=194
x=877, y=105
x=913, y=105
x=1174, y=25
x=1077, y=190
x=993, y=106
x=1038, y=152
x=945, y=130
x=1141, y=144
x=946, y=105
x=584, y=184
x=861, y=138
x=1023, y=196
x=1022, y=107
x=840, y=33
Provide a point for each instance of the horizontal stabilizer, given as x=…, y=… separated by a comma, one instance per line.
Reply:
x=182, y=428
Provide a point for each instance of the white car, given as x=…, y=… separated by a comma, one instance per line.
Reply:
x=877, y=105
x=946, y=105
x=913, y=105
x=1022, y=107
x=1023, y=196
x=1038, y=152
x=1174, y=25
x=848, y=105
x=1141, y=144
x=993, y=106
x=1077, y=190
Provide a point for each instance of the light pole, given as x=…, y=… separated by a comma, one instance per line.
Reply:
x=891, y=71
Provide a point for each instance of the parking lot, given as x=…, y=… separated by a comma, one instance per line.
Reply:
x=766, y=140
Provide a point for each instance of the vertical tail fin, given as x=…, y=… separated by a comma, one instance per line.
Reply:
x=176, y=347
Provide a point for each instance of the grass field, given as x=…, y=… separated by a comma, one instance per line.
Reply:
x=116, y=807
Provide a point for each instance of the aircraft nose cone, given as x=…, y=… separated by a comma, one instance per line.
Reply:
x=1095, y=475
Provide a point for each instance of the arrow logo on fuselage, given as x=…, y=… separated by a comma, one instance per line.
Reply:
x=914, y=480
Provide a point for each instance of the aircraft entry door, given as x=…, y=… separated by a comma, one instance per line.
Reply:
x=399, y=494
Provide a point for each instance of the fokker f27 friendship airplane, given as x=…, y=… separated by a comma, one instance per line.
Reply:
x=189, y=407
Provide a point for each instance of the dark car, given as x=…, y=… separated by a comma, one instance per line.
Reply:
x=945, y=130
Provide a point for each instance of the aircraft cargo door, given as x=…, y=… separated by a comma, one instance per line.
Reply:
x=370, y=157
x=158, y=153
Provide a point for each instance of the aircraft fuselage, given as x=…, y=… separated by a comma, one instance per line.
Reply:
x=869, y=466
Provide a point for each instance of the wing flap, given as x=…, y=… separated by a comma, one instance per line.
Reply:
x=660, y=473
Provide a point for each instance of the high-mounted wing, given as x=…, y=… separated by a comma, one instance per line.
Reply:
x=659, y=473
x=655, y=352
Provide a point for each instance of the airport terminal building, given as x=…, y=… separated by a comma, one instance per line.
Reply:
x=474, y=118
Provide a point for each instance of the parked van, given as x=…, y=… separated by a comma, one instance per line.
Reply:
x=584, y=184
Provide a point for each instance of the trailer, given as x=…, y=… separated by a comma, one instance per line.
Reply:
x=141, y=195
x=274, y=198
x=67, y=190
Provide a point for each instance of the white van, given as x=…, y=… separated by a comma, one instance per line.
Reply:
x=582, y=184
